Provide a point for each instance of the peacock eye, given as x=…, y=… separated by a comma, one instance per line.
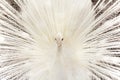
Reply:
x=55, y=39
x=62, y=39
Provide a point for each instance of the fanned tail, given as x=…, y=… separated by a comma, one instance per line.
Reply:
x=88, y=33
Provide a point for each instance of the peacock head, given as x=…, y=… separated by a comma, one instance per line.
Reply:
x=59, y=39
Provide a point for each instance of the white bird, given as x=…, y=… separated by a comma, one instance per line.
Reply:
x=60, y=40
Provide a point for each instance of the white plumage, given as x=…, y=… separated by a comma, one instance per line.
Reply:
x=60, y=40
